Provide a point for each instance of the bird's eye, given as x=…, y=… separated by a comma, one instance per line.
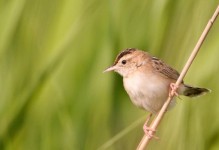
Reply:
x=123, y=62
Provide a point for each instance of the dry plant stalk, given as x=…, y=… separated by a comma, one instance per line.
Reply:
x=145, y=140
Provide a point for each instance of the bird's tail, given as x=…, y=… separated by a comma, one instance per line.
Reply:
x=194, y=91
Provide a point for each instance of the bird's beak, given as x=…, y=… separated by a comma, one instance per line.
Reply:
x=112, y=68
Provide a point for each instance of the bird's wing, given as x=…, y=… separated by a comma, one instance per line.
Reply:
x=164, y=69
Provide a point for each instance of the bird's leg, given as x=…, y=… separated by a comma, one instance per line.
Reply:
x=147, y=119
x=172, y=90
x=148, y=129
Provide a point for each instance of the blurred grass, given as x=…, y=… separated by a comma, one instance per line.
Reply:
x=53, y=92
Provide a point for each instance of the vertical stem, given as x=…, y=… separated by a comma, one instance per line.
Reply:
x=145, y=140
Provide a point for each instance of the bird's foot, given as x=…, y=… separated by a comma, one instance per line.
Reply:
x=172, y=91
x=150, y=132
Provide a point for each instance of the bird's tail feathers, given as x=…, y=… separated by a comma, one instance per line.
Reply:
x=194, y=91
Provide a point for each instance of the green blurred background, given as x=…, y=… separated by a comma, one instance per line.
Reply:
x=54, y=96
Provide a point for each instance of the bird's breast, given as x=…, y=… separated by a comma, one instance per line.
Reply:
x=146, y=91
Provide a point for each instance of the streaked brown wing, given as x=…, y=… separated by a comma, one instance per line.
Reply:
x=164, y=69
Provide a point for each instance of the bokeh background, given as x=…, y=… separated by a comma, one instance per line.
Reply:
x=54, y=96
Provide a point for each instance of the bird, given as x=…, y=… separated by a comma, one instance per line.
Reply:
x=148, y=81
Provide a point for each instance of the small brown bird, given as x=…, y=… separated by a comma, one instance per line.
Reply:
x=147, y=80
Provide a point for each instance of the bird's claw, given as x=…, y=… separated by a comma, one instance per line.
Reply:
x=172, y=91
x=150, y=132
